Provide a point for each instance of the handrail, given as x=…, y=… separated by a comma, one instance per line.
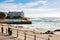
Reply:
x=34, y=34
x=25, y=32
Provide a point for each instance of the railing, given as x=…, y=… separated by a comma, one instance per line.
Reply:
x=24, y=34
x=27, y=36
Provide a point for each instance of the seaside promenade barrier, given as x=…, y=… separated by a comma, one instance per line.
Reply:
x=27, y=34
x=24, y=34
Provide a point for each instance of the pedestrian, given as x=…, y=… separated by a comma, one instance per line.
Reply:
x=9, y=31
x=2, y=30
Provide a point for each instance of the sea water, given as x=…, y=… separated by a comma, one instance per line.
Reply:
x=42, y=24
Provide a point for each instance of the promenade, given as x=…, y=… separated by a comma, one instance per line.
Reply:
x=23, y=34
x=6, y=37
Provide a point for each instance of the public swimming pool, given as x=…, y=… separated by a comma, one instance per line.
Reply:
x=13, y=20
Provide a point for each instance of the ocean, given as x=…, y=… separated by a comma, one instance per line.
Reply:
x=42, y=24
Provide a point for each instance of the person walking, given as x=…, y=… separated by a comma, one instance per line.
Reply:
x=2, y=30
x=9, y=31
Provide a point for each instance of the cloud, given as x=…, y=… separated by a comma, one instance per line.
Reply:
x=42, y=12
x=7, y=7
x=45, y=11
x=31, y=4
x=10, y=7
x=53, y=4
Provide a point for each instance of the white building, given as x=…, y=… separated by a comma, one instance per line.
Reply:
x=15, y=14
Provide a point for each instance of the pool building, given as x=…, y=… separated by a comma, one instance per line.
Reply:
x=15, y=14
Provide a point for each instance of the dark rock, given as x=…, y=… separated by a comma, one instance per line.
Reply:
x=56, y=30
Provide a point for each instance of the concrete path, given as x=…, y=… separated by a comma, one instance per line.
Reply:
x=6, y=37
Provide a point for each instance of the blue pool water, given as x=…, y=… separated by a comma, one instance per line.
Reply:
x=13, y=20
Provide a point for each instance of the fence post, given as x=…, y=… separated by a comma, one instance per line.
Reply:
x=25, y=36
x=48, y=38
x=17, y=33
x=34, y=36
x=6, y=30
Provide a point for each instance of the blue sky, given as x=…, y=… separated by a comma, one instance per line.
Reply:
x=32, y=8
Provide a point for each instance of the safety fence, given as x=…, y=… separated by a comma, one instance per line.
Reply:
x=25, y=34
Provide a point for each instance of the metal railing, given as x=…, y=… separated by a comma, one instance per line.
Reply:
x=26, y=35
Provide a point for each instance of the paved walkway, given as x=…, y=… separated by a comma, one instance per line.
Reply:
x=6, y=37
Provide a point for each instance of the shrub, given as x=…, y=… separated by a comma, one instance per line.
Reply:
x=2, y=15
